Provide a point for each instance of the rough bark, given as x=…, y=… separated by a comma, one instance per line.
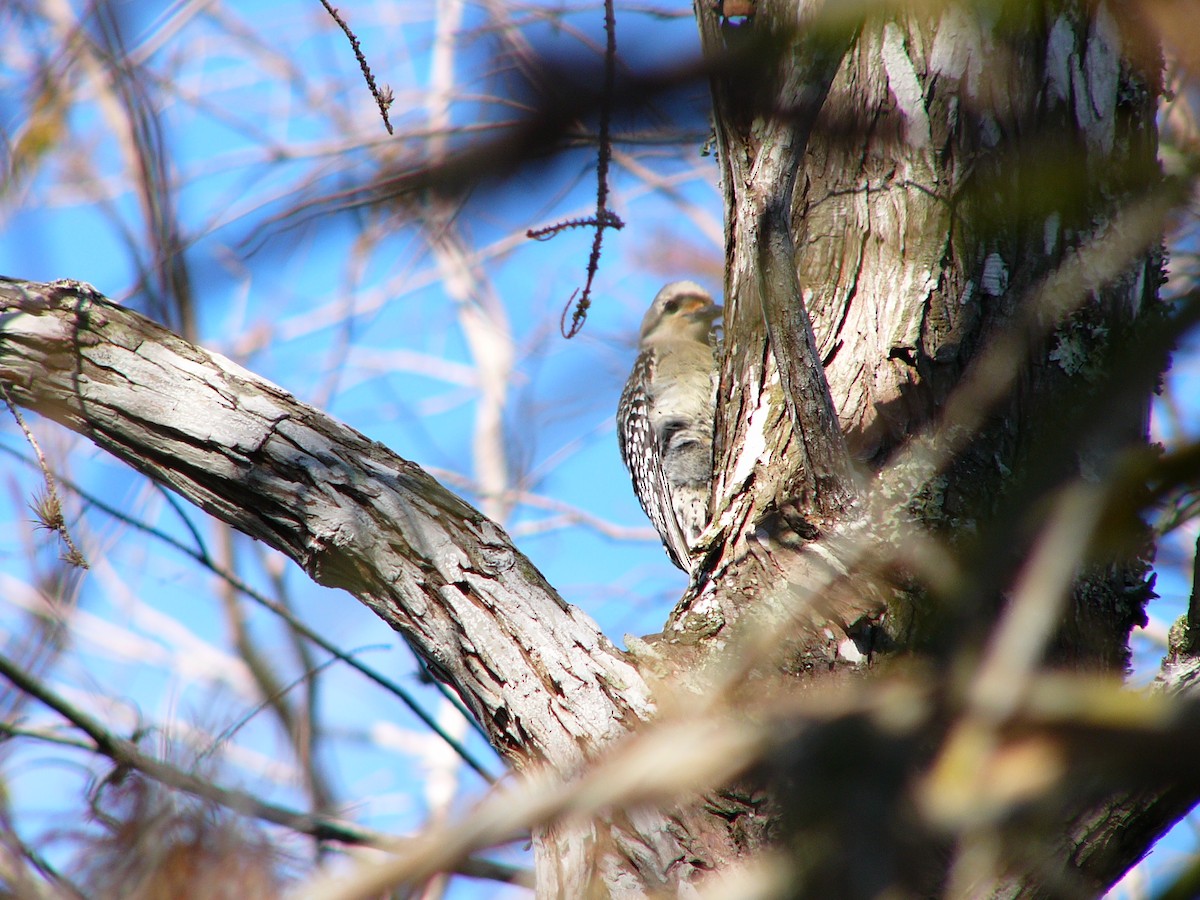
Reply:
x=783, y=477
x=549, y=688
x=952, y=162
x=959, y=159
x=947, y=166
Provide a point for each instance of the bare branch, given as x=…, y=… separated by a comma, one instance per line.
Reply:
x=49, y=510
x=231, y=578
x=347, y=510
x=383, y=98
x=126, y=753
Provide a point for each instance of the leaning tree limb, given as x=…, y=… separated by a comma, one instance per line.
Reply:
x=536, y=672
x=548, y=687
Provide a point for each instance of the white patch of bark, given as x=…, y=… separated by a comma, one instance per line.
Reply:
x=1060, y=49
x=957, y=49
x=1094, y=81
x=905, y=87
x=994, y=280
x=848, y=650
x=1050, y=234
x=754, y=449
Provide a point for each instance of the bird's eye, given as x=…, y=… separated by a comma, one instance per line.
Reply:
x=671, y=306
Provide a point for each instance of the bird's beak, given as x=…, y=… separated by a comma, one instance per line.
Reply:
x=707, y=312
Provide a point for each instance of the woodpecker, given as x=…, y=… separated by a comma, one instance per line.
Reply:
x=665, y=417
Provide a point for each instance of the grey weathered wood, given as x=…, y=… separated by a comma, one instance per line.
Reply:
x=536, y=671
x=549, y=688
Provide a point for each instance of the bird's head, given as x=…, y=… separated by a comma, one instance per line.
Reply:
x=682, y=309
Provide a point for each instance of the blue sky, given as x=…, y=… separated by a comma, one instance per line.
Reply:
x=351, y=314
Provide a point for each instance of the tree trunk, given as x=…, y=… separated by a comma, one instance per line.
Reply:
x=902, y=194
x=984, y=153
x=948, y=165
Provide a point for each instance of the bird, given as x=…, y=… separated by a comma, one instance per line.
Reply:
x=665, y=416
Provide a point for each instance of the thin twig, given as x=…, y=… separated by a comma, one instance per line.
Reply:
x=604, y=217
x=383, y=96
x=176, y=505
x=49, y=509
x=14, y=880
x=245, y=718
x=289, y=617
x=127, y=755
